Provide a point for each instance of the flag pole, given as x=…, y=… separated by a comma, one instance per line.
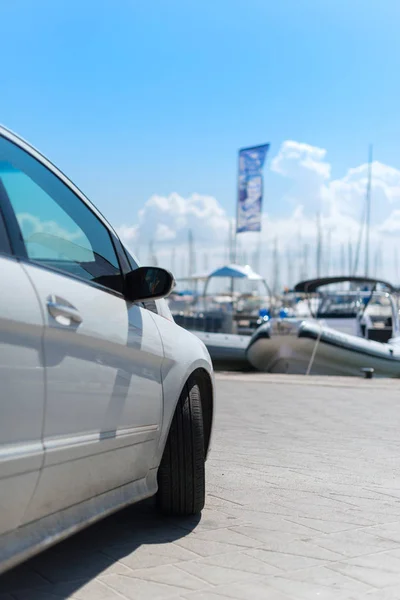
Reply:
x=237, y=211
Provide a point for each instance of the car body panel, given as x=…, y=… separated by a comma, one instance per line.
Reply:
x=22, y=392
x=95, y=426
x=26, y=541
x=184, y=354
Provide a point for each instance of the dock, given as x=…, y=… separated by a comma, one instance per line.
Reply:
x=303, y=502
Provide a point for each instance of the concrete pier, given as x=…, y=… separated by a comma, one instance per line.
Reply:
x=303, y=502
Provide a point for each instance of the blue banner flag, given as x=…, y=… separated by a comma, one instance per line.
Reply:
x=251, y=161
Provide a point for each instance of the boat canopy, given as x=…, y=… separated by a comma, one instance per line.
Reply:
x=312, y=285
x=236, y=272
x=232, y=272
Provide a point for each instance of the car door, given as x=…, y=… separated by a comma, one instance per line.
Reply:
x=22, y=387
x=102, y=354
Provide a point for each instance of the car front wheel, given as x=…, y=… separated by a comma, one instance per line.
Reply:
x=181, y=475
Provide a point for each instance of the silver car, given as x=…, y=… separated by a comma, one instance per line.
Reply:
x=104, y=399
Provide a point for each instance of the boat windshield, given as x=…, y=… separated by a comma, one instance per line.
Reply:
x=345, y=306
x=350, y=305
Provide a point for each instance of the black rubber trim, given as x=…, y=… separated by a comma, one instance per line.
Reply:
x=5, y=245
x=119, y=251
x=313, y=335
x=10, y=221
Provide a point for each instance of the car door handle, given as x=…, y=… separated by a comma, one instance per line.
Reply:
x=63, y=312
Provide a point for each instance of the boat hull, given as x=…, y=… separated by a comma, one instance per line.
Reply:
x=299, y=347
x=227, y=351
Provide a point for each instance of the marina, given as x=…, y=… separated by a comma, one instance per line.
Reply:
x=326, y=326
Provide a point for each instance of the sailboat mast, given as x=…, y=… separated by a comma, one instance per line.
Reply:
x=342, y=259
x=276, y=282
x=289, y=268
x=173, y=260
x=299, y=257
x=257, y=255
x=328, y=252
x=190, y=253
x=350, y=255
x=305, y=260
x=365, y=221
x=368, y=212
x=376, y=262
x=319, y=245
x=234, y=238
x=230, y=258
x=152, y=255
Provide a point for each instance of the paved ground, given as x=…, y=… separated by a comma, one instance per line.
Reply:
x=303, y=502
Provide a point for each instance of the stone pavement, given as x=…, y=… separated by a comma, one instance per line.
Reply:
x=303, y=502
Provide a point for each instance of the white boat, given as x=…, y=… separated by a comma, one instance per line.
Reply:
x=227, y=351
x=351, y=331
x=224, y=321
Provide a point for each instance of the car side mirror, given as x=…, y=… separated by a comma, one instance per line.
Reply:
x=147, y=283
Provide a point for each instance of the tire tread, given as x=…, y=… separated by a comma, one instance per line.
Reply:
x=181, y=475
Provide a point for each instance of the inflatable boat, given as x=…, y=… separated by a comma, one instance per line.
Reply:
x=352, y=331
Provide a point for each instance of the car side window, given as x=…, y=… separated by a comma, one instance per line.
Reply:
x=58, y=229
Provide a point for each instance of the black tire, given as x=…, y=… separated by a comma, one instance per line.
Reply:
x=181, y=475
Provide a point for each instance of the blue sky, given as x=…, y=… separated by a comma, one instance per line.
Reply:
x=133, y=98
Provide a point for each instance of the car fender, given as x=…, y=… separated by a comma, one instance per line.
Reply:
x=184, y=354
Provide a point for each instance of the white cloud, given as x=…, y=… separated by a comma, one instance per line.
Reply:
x=348, y=194
x=307, y=170
x=297, y=160
x=164, y=233
x=391, y=225
x=128, y=232
x=49, y=239
x=31, y=224
x=168, y=218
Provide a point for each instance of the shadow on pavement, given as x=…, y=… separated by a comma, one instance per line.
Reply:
x=107, y=547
